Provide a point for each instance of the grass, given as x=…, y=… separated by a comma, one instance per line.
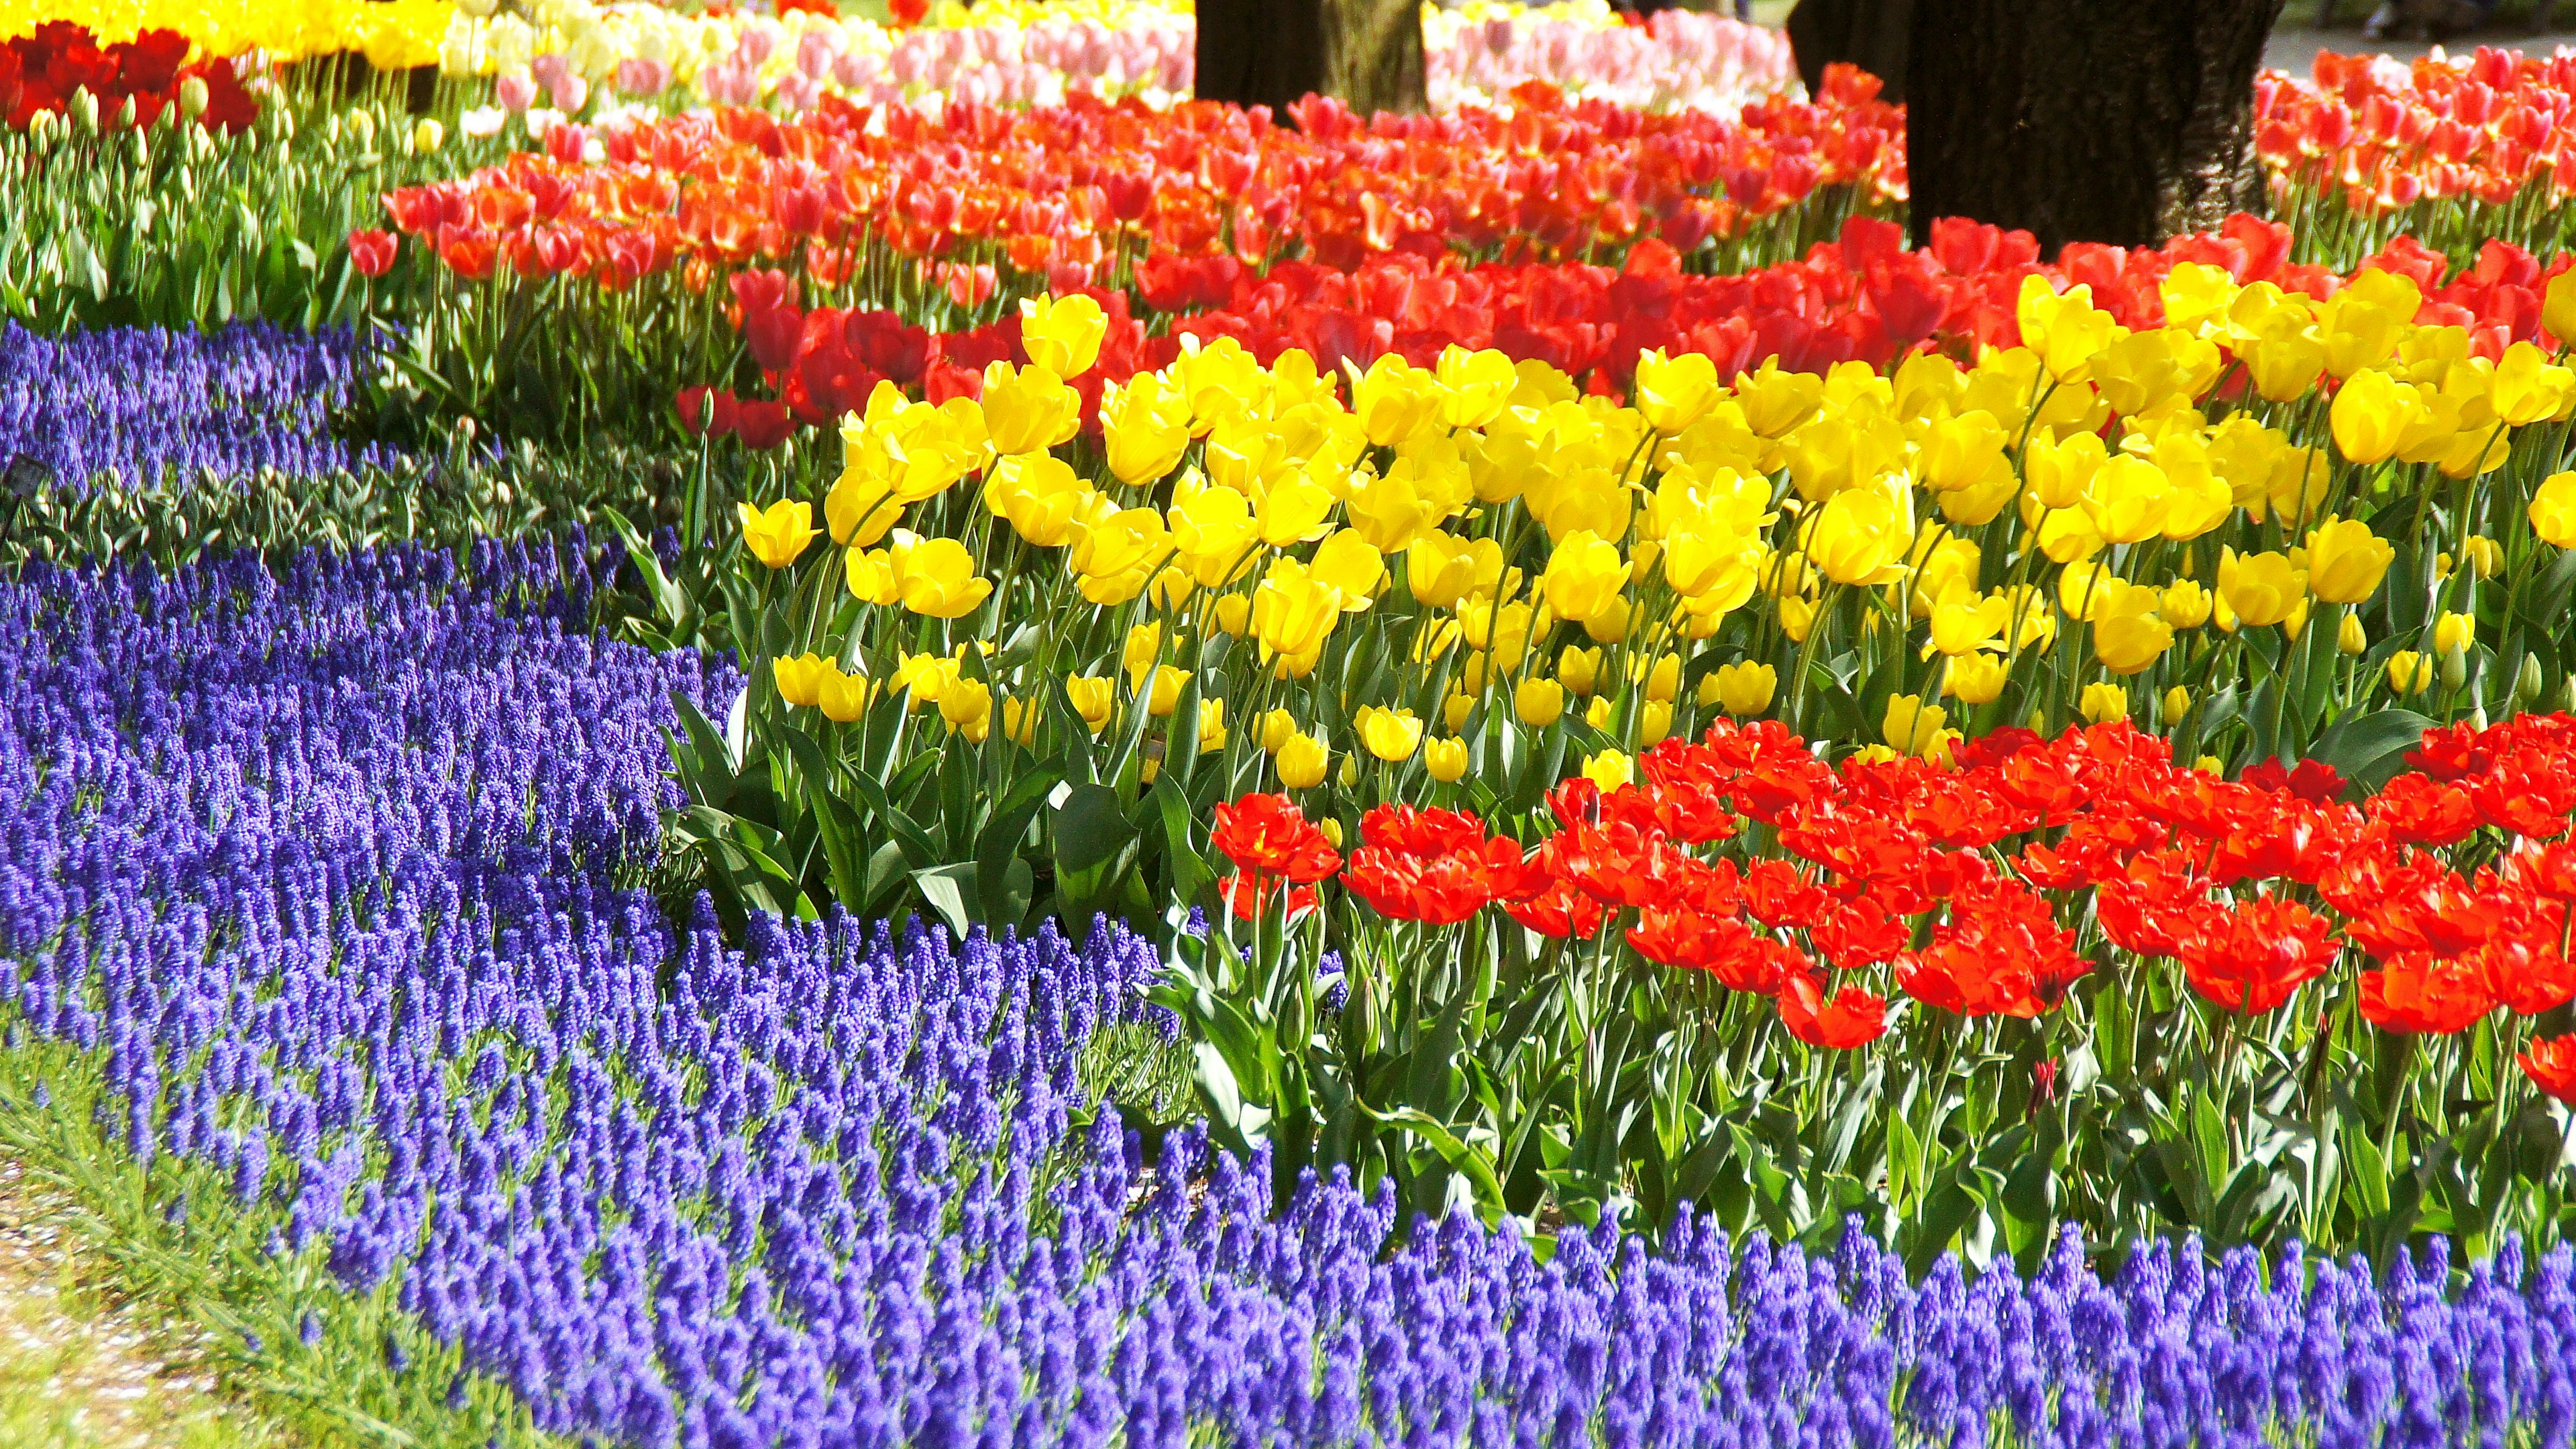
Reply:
x=80, y=1368
x=187, y=1259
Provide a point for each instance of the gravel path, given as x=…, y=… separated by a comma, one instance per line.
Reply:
x=78, y=1367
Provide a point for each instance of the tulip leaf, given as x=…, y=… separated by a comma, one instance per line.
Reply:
x=2369, y=749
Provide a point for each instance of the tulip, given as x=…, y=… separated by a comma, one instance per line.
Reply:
x=2526, y=387
x=2345, y=560
x=2128, y=642
x=1455, y=709
x=2177, y=703
x=1020, y=722
x=964, y=703
x=2409, y=672
x=2185, y=604
x=2454, y=633
x=2261, y=588
x=869, y=573
x=1211, y=726
x=1579, y=670
x=1163, y=695
x=842, y=697
x=1745, y=689
x=1446, y=760
x=1303, y=760
x=936, y=577
x=2102, y=703
x=1584, y=576
x=2553, y=503
x=2371, y=414
x=1062, y=334
x=1911, y=725
x=800, y=679
x=1145, y=423
x=777, y=535
x=1973, y=679
x=1391, y=734
x=1859, y=537
x=2350, y=637
x=1027, y=409
x=1609, y=769
x=1538, y=702
x=1674, y=392
x=1094, y=699
x=2485, y=555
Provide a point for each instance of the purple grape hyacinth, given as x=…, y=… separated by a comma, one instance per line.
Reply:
x=140, y=406
x=323, y=863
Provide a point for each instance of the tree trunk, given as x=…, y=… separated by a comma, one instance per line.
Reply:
x=2124, y=121
x=1365, y=53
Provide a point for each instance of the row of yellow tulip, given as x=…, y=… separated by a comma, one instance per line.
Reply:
x=1472, y=546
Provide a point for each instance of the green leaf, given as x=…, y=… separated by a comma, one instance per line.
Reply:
x=1090, y=829
x=2369, y=749
x=948, y=888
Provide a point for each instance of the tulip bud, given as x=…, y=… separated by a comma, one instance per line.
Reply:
x=85, y=110
x=362, y=127
x=2478, y=718
x=281, y=123
x=40, y=132
x=2567, y=695
x=1331, y=830
x=2454, y=633
x=2485, y=555
x=2455, y=669
x=192, y=97
x=2350, y=637
x=427, y=137
x=2527, y=683
x=2177, y=704
x=2210, y=765
x=1446, y=760
x=125, y=113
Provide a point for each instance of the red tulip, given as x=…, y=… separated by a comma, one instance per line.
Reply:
x=372, y=252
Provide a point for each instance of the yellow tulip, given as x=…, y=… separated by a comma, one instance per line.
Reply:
x=1213, y=531
x=2185, y=604
x=964, y=702
x=1674, y=392
x=1163, y=694
x=1609, y=769
x=1774, y=401
x=2350, y=637
x=936, y=577
x=1211, y=726
x=2454, y=631
x=1062, y=334
x=1597, y=714
x=2127, y=642
x=1292, y=612
x=1039, y=495
x=1584, y=575
x=1232, y=614
x=1391, y=734
x=1476, y=385
x=1020, y=722
x=1973, y=679
x=1965, y=621
x=1662, y=678
x=1303, y=760
x=2261, y=588
x=2485, y=555
x=869, y=573
x=2553, y=503
x=1145, y=424
x=1028, y=408
x=800, y=679
x=778, y=534
x=2102, y=703
x=1394, y=399
x=842, y=697
x=1654, y=722
x=1859, y=537
x=2177, y=703
x=1093, y=698
x=1746, y=688
x=1455, y=709
x=1346, y=563
x=1579, y=670
x=2526, y=387
x=2409, y=672
x=2346, y=560
x=1446, y=760
x=2558, y=307
x=1910, y=724
x=1538, y=702
x=2370, y=416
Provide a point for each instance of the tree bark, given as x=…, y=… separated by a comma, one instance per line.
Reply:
x=1365, y=53
x=2124, y=121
